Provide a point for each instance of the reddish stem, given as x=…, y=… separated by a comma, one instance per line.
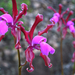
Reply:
x=3, y=11
x=45, y=30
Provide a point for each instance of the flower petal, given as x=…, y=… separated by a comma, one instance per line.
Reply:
x=7, y=18
x=37, y=39
x=69, y=23
x=71, y=27
x=31, y=68
x=3, y=28
x=38, y=19
x=55, y=18
x=29, y=58
x=18, y=37
x=46, y=60
x=29, y=54
x=52, y=50
x=45, y=48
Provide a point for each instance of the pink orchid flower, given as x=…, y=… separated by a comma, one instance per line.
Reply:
x=38, y=42
x=70, y=24
x=55, y=18
x=44, y=47
x=5, y=19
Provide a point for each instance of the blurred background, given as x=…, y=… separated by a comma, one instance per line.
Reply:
x=8, y=54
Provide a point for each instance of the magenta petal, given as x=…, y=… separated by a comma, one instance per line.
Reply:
x=70, y=23
x=45, y=48
x=46, y=60
x=29, y=54
x=29, y=57
x=3, y=28
x=57, y=14
x=52, y=50
x=37, y=39
x=71, y=27
x=54, y=19
x=31, y=68
x=7, y=18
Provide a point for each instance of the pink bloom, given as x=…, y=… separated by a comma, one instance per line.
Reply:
x=55, y=18
x=29, y=57
x=5, y=19
x=46, y=60
x=39, y=43
x=3, y=28
x=44, y=47
x=73, y=58
x=70, y=24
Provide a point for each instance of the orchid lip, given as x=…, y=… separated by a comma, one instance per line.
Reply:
x=7, y=18
x=37, y=39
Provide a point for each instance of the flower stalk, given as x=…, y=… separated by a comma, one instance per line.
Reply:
x=61, y=40
x=19, y=62
x=74, y=69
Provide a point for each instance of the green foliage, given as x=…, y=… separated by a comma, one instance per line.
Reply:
x=7, y=5
x=73, y=1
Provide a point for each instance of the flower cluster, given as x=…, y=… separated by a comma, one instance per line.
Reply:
x=68, y=24
x=38, y=42
x=58, y=18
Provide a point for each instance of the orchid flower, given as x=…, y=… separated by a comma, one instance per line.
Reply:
x=57, y=15
x=6, y=21
x=38, y=42
x=58, y=18
x=70, y=24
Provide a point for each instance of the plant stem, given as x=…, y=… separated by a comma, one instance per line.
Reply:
x=19, y=62
x=61, y=53
x=74, y=69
